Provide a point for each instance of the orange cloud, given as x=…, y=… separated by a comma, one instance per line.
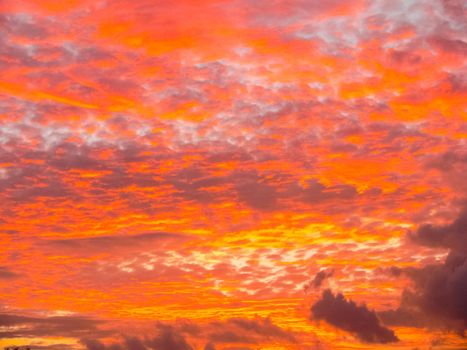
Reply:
x=197, y=163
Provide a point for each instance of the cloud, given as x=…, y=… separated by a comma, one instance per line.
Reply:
x=402, y=317
x=134, y=343
x=320, y=277
x=452, y=46
x=192, y=184
x=210, y=346
x=256, y=128
x=18, y=326
x=177, y=336
x=23, y=26
x=110, y=242
x=453, y=236
x=247, y=331
x=6, y=273
x=256, y=193
x=94, y=344
x=316, y=192
x=441, y=289
x=168, y=339
x=438, y=295
x=318, y=280
x=49, y=347
x=348, y=316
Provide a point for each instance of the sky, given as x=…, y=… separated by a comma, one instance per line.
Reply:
x=233, y=174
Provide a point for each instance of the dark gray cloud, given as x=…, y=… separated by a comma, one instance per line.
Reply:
x=95, y=344
x=134, y=343
x=348, y=316
x=210, y=346
x=318, y=280
x=91, y=244
x=317, y=192
x=234, y=331
x=438, y=295
x=437, y=298
x=441, y=289
x=6, y=273
x=192, y=183
x=247, y=331
x=129, y=343
x=17, y=326
x=403, y=317
x=320, y=277
x=453, y=236
x=49, y=347
x=257, y=193
x=261, y=326
x=167, y=338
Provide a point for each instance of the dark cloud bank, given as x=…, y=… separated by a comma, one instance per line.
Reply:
x=166, y=339
x=233, y=331
x=439, y=294
x=18, y=326
x=437, y=299
x=348, y=316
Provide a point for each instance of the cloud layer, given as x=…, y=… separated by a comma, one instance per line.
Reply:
x=214, y=161
x=350, y=317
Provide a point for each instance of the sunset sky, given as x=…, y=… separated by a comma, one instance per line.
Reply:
x=233, y=174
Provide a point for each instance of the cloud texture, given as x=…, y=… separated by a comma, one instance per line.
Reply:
x=209, y=163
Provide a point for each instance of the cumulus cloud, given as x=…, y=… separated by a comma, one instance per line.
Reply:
x=350, y=317
x=453, y=235
x=437, y=297
x=440, y=290
x=179, y=335
x=166, y=338
x=403, y=316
